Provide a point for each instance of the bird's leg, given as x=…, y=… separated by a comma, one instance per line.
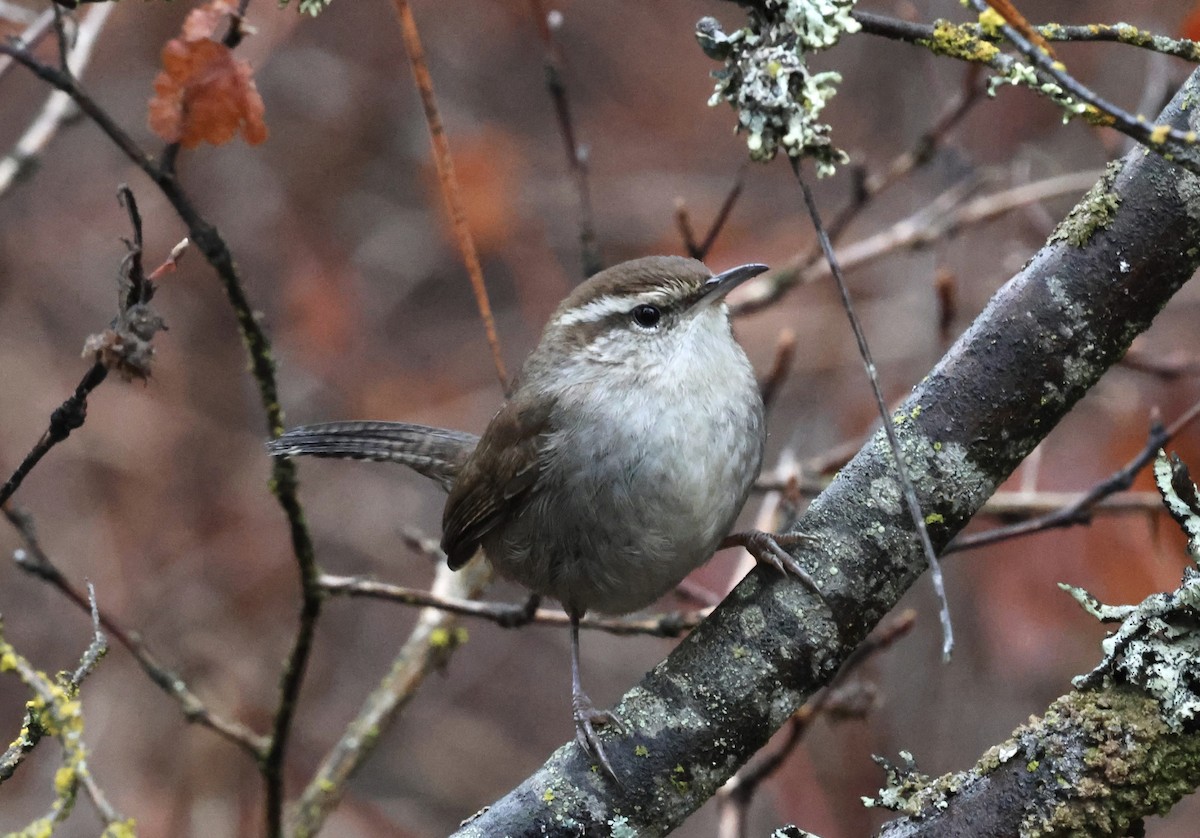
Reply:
x=586, y=714
x=520, y=615
x=771, y=549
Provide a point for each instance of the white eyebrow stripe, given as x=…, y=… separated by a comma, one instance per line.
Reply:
x=602, y=307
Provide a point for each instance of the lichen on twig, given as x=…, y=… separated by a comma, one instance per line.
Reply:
x=767, y=80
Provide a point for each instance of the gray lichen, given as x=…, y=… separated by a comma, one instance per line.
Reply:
x=767, y=80
x=1157, y=647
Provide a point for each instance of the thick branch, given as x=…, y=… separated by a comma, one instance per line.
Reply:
x=1043, y=341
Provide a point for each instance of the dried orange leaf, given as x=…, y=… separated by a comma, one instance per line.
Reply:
x=203, y=93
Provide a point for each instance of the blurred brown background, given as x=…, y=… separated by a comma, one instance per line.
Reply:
x=160, y=499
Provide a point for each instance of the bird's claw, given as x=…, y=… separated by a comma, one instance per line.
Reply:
x=586, y=719
x=770, y=549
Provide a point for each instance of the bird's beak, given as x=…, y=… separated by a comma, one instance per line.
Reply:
x=718, y=286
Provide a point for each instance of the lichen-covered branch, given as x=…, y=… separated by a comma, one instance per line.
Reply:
x=1126, y=746
x=1093, y=764
x=55, y=710
x=1041, y=74
x=1045, y=338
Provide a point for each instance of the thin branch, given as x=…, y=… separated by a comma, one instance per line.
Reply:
x=1026, y=504
x=1178, y=365
x=864, y=351
x=30, y=38
x=546, y=24
x=1080, y=510
x=60, y=38
x=770, y=287
x=108, y=813
x=97, y=648
x=945, y=216
x=508, y=615
x=66, y=417
x=700, y=250
x=785, y=355
x=427, y=649
x=683, y=220
x=91, y=656
x=1123, y=33
x=448, y=180
x=1015, y=504
x=34, y=560
x=1052, y=80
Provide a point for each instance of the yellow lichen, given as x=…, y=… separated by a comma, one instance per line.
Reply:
x=991, y=23
x=960, y=42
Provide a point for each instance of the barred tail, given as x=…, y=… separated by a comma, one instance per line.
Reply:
x=437, y=453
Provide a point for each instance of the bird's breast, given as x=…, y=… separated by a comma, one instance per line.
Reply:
x=638, y=484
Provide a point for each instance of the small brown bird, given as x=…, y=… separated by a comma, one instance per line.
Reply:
x=618, y=465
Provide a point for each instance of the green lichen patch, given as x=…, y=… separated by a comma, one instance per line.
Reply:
x=1095, y=212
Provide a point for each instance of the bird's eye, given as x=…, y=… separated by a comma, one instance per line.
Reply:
x=646, y=316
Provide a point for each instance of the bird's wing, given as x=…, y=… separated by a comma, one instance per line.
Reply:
x=503, y=470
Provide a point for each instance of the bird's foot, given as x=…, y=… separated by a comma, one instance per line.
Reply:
x=516, y=616
x=771, y=549
x=586, y=719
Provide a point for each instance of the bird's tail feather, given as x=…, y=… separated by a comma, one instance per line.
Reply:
x=437, y=453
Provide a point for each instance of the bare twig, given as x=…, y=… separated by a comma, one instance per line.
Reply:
x=66, y=417
x=1178, y=365
x=546, y=24
x=948, y=214
x=945, y=290
x=864, y=351
x=700, y=249
x=34, y=560
x=683, y=220
x=1020, y=503
x=769, y=288
x=61, y=38
x=427, y=648
x=97, y=648
x=785, y=354
x=503, y=614
x=1026, y=504
x=1080, y=510
x=448, y=180
x=108, y=813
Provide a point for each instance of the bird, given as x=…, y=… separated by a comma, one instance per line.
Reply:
x=617, y=465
